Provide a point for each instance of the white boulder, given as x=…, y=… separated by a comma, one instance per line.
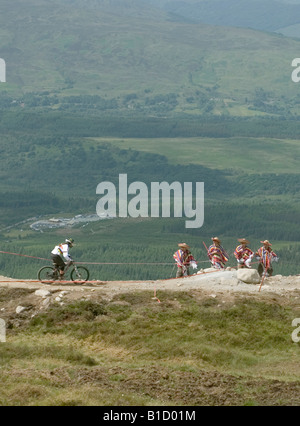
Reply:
x=20, y=309
x=42, y=293
x=248, y=276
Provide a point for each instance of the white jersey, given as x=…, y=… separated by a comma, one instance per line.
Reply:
x=63, y=251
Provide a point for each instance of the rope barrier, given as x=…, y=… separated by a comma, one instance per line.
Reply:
x=112, y=263
x=23, y=255
x=99, y=263
x=133, y=263
x=119, y=263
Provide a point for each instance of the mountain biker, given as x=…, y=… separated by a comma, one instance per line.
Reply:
x=60, y=254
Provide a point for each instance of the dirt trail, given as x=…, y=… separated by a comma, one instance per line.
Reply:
x=210, y=281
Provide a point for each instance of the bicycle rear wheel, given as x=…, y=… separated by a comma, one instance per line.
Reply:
x=47, y=274
x=80, y=273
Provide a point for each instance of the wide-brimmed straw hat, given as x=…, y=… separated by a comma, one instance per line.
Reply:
x=266, y=243
x=183, y=245
x=243, y=241
x=216, y=239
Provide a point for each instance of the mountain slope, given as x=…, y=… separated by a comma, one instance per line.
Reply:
x=65, y=49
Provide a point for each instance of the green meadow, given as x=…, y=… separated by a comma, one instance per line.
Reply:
x=241, y=154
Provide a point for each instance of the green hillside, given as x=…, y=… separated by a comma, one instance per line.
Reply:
x=63, y=56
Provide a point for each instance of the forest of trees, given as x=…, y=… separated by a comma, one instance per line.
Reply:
x=48, y=168
x=132, y=125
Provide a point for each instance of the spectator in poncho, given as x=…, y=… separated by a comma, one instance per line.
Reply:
x=217, y=254
x=243, y=254
x=184, y=259
x=266, y=257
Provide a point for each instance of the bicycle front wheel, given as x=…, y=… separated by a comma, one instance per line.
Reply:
x=80, y=273
x=47, y=274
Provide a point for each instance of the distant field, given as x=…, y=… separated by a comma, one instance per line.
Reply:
x=248, y=155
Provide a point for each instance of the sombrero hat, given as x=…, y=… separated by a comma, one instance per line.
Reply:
x=216, y=239
x=183, y=245
x=243, y=241
x=266, y=242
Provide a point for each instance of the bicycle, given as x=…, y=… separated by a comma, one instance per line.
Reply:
x=48, y=274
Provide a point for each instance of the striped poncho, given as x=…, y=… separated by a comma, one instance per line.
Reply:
x=242, y=252
x=183, y=258
x=265, y=256
x=217, y=255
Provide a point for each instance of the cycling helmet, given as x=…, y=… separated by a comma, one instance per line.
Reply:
x=70, y=241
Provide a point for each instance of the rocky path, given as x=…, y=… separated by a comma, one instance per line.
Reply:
x=208, y=281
